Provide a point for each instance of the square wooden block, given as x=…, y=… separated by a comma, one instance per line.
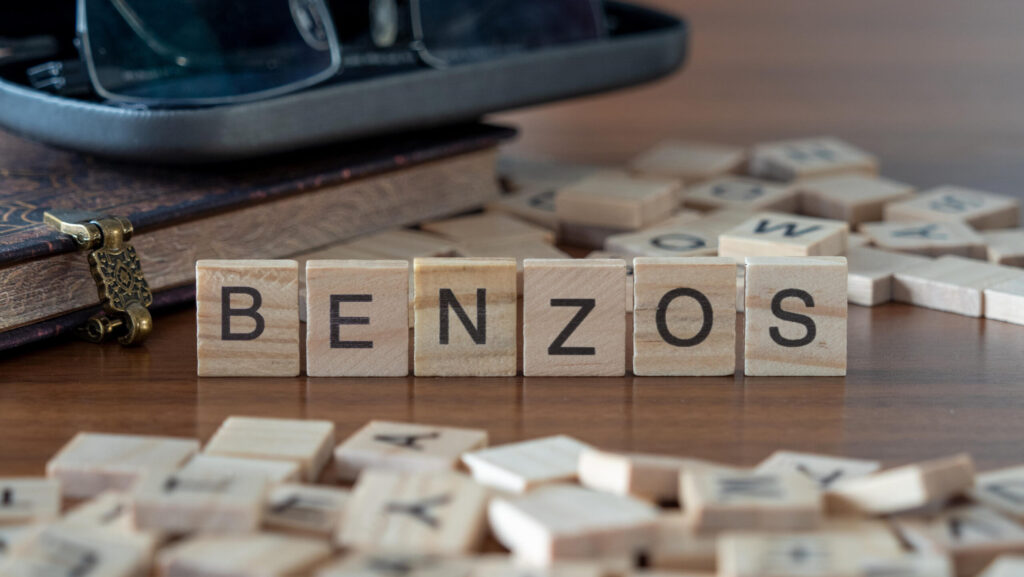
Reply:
x=111, y=513
x=973, y=535
x=685, y=240
x=305, y=442
x=313, y=509
x=519, y=467
x=487, y=227
x=92, y=463
x=854, y=198
x=908, y=487
x=70, y=551
x=357, y=318
x=689, y=161
x=573, y=323
x=1002, y=490
x=181, y=502
x=677, y=547
x=824, y=470
x=247, y=317
x=617, y=200
x=776, y=234
x=718, y=500
x=603, y=254
x=684, y=318
x=871, y=272
x=951, y=283
x=408, y=447
x=795, y=316
x=466, y=322
x=742, y=193
x=255, y=555
x=435, y=512
x=789, y=160
x=533, y=203
x=1005, y=301
x=25, y=500
x=400, y=564
x=271, y=470
x=1005, y=246
x=926, y=238
x=981, y=210
x=651, y=477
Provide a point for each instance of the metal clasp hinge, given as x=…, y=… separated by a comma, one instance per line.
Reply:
x=114, y=264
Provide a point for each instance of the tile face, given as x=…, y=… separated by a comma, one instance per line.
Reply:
x=255, y=555
x=357, y=319
x=776, y=234
x=465, y=317
x=718, y=500
x=651, y=477
x=688, y=161
x=1002, y=490
x=951, y=283
x=247, y=316
x=562, y=522
x=272, y=471
x=854, y=198
x=406, y=447
x=92, y=463
x=306, y=442
x=519, y=467
x=826, y=471
x=25, y=500
x=973, y=535
x=908, y=487
x=199, y=501
x=1005, y=301
x=75, y=551
x=809, y=157
x=573, y=323
x=926, y=238
x=742, y=193
x=434, y=512
x=684, y=318
x=871, y=272
x=602, y=254
x=795, y=316
x=533, y=203
x=111, y=512
x=312, y=509
x=686, y=240
x=399, y=564
x=617, y=200
x=1006, y=246
x=981, y=210
x=488, y=226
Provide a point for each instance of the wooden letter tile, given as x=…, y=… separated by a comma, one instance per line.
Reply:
x=908, y=487
x=273, y=471
x=776, y=234
x=795, y=316
x=67, y=551
x=1005, y=246
x=400, y=564
x=27, y=500
x=357, y=319
x=808, y=157
x=256, y=555
x=436, y=512
x=247, y=314
x=199, y=501
x=92, y=463
x=602, y=254
x=871, y=272
x=617, y=200
x=1005, y=301
x=684, y=318
x=717, y=500
x=405, y=447
x=951, y=283
x=926, y=238
x=824, y=470
x=519, y=467
x=981, y=210
x=311, y=509
x=686, y=240
x=688, y=161
x=677, y=547
x=111, y=512
x=488, y=227
x=651, y=477
x=305, y=442
x=465, y=317
x=495, y=565
x=534, y=204
x=573, y=323
x=1002, y=490
x=854, y=198
x=973, y=535
x=742, y=193
x=520, y=250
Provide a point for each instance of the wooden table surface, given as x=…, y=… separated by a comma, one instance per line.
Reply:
x=935, y=88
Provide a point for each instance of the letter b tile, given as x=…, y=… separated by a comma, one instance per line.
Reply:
x=796, y=316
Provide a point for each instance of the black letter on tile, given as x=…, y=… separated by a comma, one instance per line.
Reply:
x=226, y=312
x=793, y=317
x=790, y=228
x=585, y=305
x=337, y=321
x=662, y=322
x=447, y=300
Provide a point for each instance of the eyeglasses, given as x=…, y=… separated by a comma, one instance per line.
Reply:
x=210, y=52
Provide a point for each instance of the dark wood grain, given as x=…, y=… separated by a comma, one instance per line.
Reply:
x=933, y=87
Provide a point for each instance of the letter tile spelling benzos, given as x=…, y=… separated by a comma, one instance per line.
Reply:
x=357, y=319
x=406, y=447
x=68, y=551
x=777, y=234
x=651, y=477
x=602, y=254
x=208, y=501
x=561, y=522
x=247, y=316
x=1005, y=301
x=826, y=471
x=684, y=318
x=434, y=512
x=311, y=509
x=25, y=500
x=795, y=316
x=906, y=488
x=465, y=317
x=871, y=272
x=303, y=441
x=255, y=555
x=973, y=535
x=926, y=238
x=951, y=283
x=688, y=161
x=742, y=193
x=92, y=463
x=809, y=157
x=572, y=317
x=519, y=467
x=981, y=210
x=1002, y=490
x=853, y=198
x=717, y=500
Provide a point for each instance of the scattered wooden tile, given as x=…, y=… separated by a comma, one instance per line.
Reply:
x=520, y=251
x=399, y=564
x=67, y=551
x=689, y=161
x=1005, y=566
x=562, y=522
x=603, y=254
x=403, y=244
x=677, y=547
x=651, y=477
x=521, y=172
x=854, y=198
x=856, y=239
x=1002, y=490
x=520, y=467
x=926, y=238
x=255, y=555
x=494, y=565
x=826, y=471
x=488, y=227
x=357, y=320
x=742, y=193
x=776, y=234
x=272, y=471
x=533, y=203
x=617, y=200
x=405, y=447
x=14, y=539
x=434, y=512
x=981, y=210
x=795, y=316
x=950, y=283
x=789, y=160
x=303, y=441
x=203, y=501
x=311, y=509
x=688, y=240
x=465, y=317
x=684, y=318
x=973, y=535
x=247, y=316
x=908, y=487
x=718, y=500
x=1005, y=301
x=871, y=272
x=572, y=317
x=1005, y=247
x=112, y=512
x=92, y=463
x=25, y=500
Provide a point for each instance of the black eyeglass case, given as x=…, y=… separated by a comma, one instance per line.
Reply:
x=646, y=45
